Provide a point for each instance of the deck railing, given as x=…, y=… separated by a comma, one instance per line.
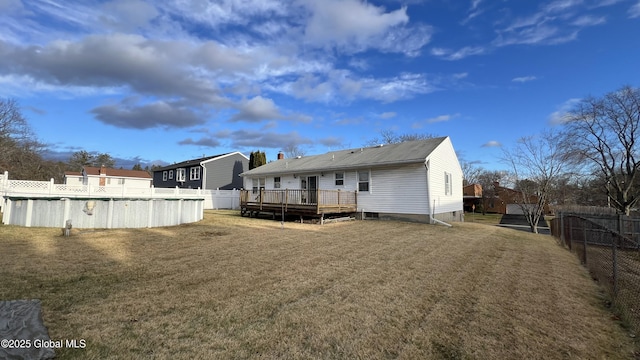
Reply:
x=318, y=199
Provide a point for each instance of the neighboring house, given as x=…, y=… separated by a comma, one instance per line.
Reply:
x=472, y=196
x=211, y=172
x=410, y=180
x=508, y=201
x=103, y=176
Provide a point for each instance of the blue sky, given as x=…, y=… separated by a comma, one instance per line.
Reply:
x=167, y=81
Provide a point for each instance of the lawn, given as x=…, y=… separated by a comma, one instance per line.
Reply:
x=233, y=287
x=491, y=219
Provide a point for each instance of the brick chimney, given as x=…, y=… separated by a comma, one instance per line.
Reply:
x=103, y=170
x=280, y=155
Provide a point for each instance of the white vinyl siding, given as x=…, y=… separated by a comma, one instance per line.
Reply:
x=400, y=190
x=443, y=159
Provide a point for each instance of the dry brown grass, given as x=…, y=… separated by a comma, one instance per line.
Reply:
x=232, y=287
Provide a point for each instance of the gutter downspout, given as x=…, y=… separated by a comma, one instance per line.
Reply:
x=431, y=218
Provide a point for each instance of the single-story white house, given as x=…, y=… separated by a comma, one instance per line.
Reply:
x=108, y=177
x=413, y=180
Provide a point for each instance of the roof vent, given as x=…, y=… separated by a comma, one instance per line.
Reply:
x=298, y=157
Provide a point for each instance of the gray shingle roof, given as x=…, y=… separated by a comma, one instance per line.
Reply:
x=402, y=153
x=186, y=163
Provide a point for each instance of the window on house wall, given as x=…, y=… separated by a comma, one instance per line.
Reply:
x=121, y=181
x=164, y=176
x=276, y=182
x=181, y=174
x=170, y=174
x=194, y=173
x=447, y=184
x=363, y=180
x=258, y=184
x=339, y=179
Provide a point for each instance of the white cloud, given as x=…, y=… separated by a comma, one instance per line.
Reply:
x=350, y=22
x=560, y=115
x=634, y=11
x=253, y=139
x=436, y=119
x=589, y=20
x=492, y=143
x=462, y=53
x=128, y=14
x=256, y=110
x=388, y=115
x=442, y=118
x=524, y=79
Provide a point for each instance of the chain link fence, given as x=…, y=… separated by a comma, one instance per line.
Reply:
x=608, y=245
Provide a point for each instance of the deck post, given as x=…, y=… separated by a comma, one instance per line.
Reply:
x=286, y=197
x=317, y=201
x=261, y=197
x=339, y=207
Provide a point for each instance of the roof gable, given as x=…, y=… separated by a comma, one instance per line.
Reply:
x=401, y=153
x=95, y=171
x=188, y=163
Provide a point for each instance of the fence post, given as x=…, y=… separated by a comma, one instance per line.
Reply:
x=570, y=240
x=51, y=186
x=615, y=268
x=562, y=240
x=620, y=225
x=584, y=241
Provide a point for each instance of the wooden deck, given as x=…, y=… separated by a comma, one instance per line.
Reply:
x=298, y=202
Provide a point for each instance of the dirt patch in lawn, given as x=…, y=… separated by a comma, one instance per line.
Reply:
x=233, y=287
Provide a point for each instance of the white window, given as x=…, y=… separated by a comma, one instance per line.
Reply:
x=164, y=176
x=363, y=180
x=181, y=174
x=339, y=179
x=170, y=174
x=194, y=173
x=447, y=184
x=276, y=182
x=258, y=184
x=121, y=181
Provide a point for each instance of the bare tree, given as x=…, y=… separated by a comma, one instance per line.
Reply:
x=537, y=162
x=20, y=150
x=390, y=137
x=470, y=172
x=605, y=133
x=292, y=151
x=487, y=180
